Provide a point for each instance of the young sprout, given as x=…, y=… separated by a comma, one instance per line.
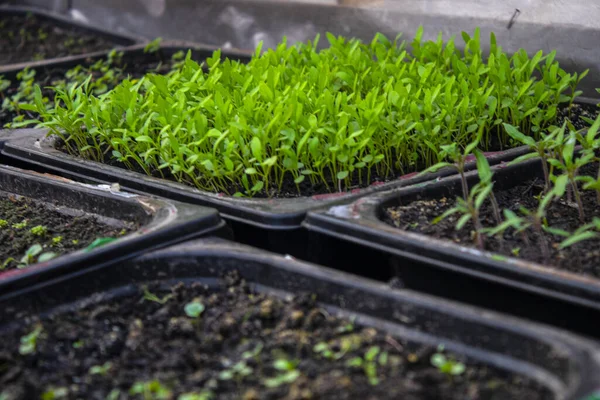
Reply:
x=150, y=390
x=570, y=164
x=287, y=373
x=447, y=365
x=57, y=240
x=39, y=230
x=469, y=210
x=585, y=232
x=539, y=147
x=33, y=252
x=29, y=342
x=148, y=295
x=20, y=225
x=459, y=159
x=194, y=308
x=3, y=223
x=55, y=393
x=153, y=46
x=485, y=178
x=369, y=363
x=100, y=369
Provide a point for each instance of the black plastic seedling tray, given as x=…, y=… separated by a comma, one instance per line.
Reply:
x=118, y=40
x=357, y=231
x=162, y=222
x=565, y=364
x=273, y=224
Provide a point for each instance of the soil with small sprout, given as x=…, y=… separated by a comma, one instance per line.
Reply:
x=63, y=233
x=582, y=258
x=239, y=345
x=31, y=38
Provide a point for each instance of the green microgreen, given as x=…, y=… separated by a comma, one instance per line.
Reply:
x=447, y=365
x=39, y=230
x=150, y=390
x=28, y=343
x=194, y=308
x=335, y=117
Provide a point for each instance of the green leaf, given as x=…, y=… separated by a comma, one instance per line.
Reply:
x=46, y=256
x=342, y=175
x=99, y=242
x=194, y=309
x=577, y=238
x=515, y=134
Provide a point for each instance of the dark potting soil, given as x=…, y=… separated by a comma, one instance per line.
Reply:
x=238, y=345
x=63, y=233
x=29, y=38
x=582, y=258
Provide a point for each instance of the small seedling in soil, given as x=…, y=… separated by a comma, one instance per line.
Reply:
x=34, y=254
x=148, y=295
x=20, y=225
x=153, y=46
x=55, y=393
x=39, y=230
x=287, y=373
x=57, y=240
x=194, y=309
x=29, y=342
x=3, y=223
x=447, y=365
x=369, y=363
x=469, y=210
x=152, y=390
x=204, y=395
x=100, y=369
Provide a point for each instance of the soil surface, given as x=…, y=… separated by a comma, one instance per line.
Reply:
x=24, y=223
x=226, y=344
x=583, y=257
x=32, y=38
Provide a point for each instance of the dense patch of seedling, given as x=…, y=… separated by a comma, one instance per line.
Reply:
x=337, y=117
x=571, y=171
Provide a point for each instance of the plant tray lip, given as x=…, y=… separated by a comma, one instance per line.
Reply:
x=119, y=39
x=169, y=47
x=162, y=222
x=360, y=222
x=32, y=146
x=341, y=293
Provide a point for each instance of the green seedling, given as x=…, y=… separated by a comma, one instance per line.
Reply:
x=57, y=240
x=287, y=373
x=194, y=309
x=39, y=230
x=330, y=117
x=35, y=254
x=540, y=148
x=55, y=393
x=584, y=232
x=153, y=46
x=28, y=343
x=99, y=242
x=369, y=362
x=447, y=365
x=100, y=369
x=20, y=225
x=152, y=297
x=485, y=178
x=150, y=390
x=570, y=163
x=469, y=210
x=3, y=223
x=203, y=395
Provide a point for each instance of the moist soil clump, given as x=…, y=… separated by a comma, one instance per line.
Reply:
x=24, y=223
x=31, y=38
x=229, y=343
x=583, y=257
